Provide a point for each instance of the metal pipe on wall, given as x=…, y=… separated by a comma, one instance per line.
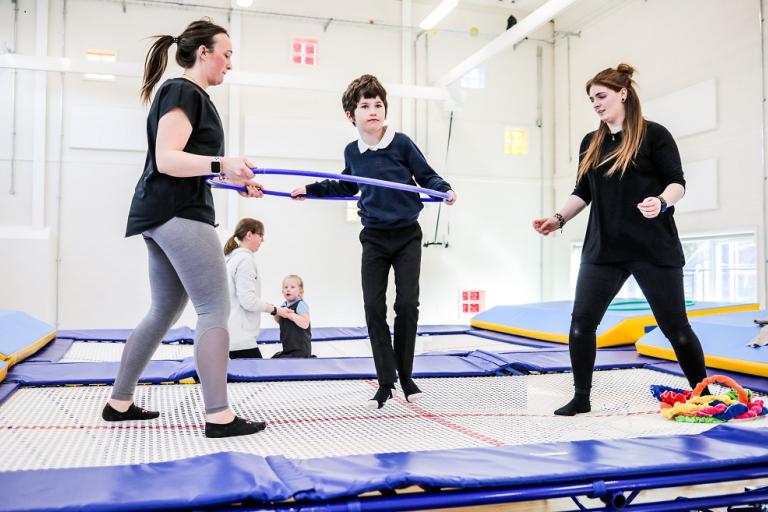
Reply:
x=60, y=174
x=568, y=96
x=234, y=96
x=761, y=25
x=540, y=126
x=14, y=72
x=39, y=117
x=407, y=63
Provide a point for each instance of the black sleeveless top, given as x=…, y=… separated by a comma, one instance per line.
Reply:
x=296, y=341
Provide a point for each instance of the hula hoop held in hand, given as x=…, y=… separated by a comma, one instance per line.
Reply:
x=434, y=196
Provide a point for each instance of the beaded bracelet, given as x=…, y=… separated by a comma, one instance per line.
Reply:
x=560, y=219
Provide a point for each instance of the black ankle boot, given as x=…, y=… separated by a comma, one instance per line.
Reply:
x=411, y=390
x=109, y=413
x=384, y=393
x=237, y=427
x=579, y=404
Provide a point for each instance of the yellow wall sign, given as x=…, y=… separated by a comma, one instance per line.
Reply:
x=515, y=141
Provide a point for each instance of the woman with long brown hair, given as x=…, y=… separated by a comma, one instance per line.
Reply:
x=173, y=210
x=631, y=174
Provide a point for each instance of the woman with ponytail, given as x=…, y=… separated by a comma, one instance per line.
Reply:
x=173, y=210
x=630, y=172
x=246, y=305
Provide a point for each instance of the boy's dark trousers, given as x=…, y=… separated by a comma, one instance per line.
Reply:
x=398, y=248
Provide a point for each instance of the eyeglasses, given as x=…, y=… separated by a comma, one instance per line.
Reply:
x=261, y=235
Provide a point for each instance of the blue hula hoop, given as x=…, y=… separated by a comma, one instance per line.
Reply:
x=435, y=196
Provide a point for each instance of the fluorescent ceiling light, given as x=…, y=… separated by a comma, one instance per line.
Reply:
x=101, y=55
x=440, y=12
x=98, y=77
x=244, y=3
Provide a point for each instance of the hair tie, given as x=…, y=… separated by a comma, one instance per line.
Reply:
x=176, y=40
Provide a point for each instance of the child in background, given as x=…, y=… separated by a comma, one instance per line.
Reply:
x=293, y=318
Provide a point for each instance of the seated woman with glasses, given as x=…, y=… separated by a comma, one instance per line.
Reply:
x=246, y=304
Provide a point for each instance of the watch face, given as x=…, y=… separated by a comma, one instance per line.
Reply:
x=215, y=166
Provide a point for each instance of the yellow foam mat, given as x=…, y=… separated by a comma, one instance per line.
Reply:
x=625, y=332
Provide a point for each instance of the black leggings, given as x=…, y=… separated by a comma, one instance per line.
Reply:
x=248, y=353
x=596, y=287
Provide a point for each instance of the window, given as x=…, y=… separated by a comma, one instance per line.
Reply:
x=474, y=79
x=719, y=268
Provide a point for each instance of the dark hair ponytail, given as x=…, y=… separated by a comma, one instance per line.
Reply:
x=200, y=32
x=231, y=245
x=244, y=227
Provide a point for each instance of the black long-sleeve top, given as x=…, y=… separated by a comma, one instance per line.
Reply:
x=617, y=231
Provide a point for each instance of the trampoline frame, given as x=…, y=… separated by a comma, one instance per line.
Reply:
x=616, y=491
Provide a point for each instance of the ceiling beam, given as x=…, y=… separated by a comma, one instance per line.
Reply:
x=135, y=70
x=533, y=21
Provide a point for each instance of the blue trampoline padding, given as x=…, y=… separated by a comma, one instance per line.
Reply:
x=722, y=446
x=442, y=329
x=517, y=340
x=459, y=364
x=272, y=335
x=6, y=389
x=216, y=479
x=225, y=478
x=456, y=364
x=187, y=335
x=55, y=374
x=177, y=335
x=550, y=361
x=300, y=369
x=22, y=335
x=529, y=342
x=269, y=335
x=550, y=321
x=724, y=339
x=758, y=384
x=475, y=363
x=52, y=352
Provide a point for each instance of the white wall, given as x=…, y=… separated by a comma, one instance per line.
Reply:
x=100, y=277
x=102, y=280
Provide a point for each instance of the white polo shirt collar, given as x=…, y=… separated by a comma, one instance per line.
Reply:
x=386, y=140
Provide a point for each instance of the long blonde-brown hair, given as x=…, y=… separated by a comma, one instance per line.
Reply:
x=244, y=227
x=633, y=127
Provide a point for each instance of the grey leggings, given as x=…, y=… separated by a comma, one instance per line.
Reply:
x=185, y=261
